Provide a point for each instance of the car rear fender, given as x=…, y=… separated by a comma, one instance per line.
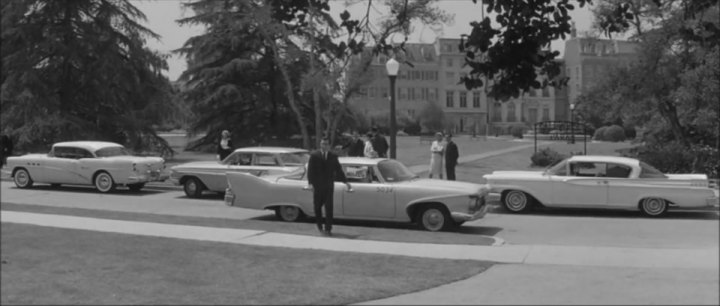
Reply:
x=504, y=189
x=250, y=191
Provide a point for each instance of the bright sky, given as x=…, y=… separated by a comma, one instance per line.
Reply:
x=162, y=16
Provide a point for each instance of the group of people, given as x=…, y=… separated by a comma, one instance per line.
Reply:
x=443, y=151
x=372, y=145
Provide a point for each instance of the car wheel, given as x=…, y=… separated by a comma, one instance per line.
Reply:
x=193, y=187
x=434, y=218
x=22, y=179
x=288, y=213
x=136, y=187
x=516, y=201
x=653, y=207
x=104, y=182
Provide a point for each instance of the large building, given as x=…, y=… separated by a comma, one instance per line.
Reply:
x=435, y=75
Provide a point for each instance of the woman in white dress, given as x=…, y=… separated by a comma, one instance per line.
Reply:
x=437, y=149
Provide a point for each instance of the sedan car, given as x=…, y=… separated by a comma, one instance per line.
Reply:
x=102, y=164
x=602, y=182
x=196, y=177
x=382, y=189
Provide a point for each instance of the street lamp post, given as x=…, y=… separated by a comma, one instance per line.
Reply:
x=572, y=124
x=392, y=67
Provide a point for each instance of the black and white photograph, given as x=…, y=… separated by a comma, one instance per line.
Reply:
x=360, y=152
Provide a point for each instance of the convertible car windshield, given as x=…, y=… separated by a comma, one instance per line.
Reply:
x=112, y=151
x=394, y=171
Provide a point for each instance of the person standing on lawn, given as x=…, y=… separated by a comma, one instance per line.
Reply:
x=323, y=170
x=436, y=156
x=369, y=150
x=355, y=147
x=225, y=146
x=451, y=157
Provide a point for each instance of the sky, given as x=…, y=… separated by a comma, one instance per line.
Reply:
x=163, y=14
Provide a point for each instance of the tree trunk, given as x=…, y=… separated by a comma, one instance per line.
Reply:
x=669, y=112
x=291, y=95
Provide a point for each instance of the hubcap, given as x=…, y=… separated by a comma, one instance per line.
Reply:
x=21, y=178
x=433, y=219
x=516, y=200
x=104, y=182
x=654, y=206
x=289, y=213
x=191, y=187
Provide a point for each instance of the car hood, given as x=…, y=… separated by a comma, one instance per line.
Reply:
x=515, y=175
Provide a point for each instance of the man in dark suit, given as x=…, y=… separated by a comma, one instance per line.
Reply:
x=451, y=157
x=379, y=143
x=323, y=170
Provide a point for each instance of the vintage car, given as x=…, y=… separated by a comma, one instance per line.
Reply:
x=103, y=164
x=196, y=177
x=382, y=189
x=602, y=182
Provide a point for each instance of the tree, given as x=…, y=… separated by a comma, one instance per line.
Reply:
x=432, y=117
x=80, y=70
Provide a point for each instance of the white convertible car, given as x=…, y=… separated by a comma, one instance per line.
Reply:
x=102, y=164
x=195, y=177
x=603, y=182
x=382, y=189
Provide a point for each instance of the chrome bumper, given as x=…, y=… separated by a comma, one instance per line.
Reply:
x=149, y=177
x=462, y=217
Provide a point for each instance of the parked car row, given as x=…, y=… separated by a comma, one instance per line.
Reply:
x=275, y=178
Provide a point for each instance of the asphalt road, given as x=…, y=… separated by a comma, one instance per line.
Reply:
x=686, y=229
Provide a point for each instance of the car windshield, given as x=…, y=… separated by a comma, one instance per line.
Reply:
x=558, y=169
x=295, y=158
x=112, y=151
x=394, y=171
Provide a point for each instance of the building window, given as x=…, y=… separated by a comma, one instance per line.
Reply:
x=532, y=93
x=362, y=92
x=511, y=112
x=448, y=48
x=449, y=62
x=532, y=115
x=546, y=114
x=463, y=99
x=402, y=93
x=497, y=112
x=435, y=95
x=411, y=94
x=450, y=76
x=373, y=92
x=449, y=99
x=476, y=99
x=384, y=92
x=424, y=93
x=411, y=113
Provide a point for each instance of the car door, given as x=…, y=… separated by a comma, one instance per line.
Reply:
x=61, y=167
x=371, y=197
x=621, y=190
x=585, y=185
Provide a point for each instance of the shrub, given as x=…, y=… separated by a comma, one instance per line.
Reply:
x=546, y=157
x=673, y=157
x=600, y=133
x=614, y=133
x=517, y=131
x=630, y=132
x=413, y=128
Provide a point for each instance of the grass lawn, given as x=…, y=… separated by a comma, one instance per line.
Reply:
x=42, y=265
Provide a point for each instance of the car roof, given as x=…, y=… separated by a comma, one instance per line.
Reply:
x=88, y=145
x=271, y=149
x=360, y=160
x=605, y=158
